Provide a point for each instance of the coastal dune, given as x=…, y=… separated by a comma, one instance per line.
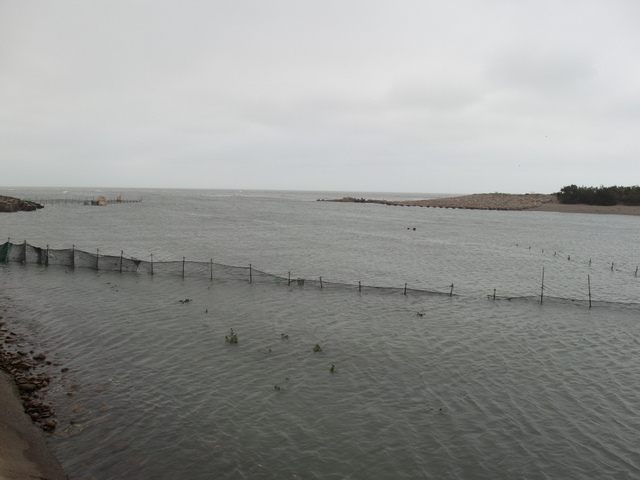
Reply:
x=477, y=201
x=485, y=201
x=504, y=201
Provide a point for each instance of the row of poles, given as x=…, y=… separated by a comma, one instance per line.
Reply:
x=184, y=261
x=80, y=201
x=299, y=281
x=589, y=263
x=588, y=285
x=542, y=287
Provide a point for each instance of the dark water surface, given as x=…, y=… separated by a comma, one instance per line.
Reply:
x=472, y=388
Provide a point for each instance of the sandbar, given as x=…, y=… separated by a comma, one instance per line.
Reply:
x=504, y=201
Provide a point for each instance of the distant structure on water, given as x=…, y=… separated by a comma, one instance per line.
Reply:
x=101, y=201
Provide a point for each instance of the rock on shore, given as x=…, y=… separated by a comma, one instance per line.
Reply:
x=28, y=369
x=23, y=415
x=13, y=204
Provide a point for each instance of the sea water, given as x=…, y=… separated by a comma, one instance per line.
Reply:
x=441, y=382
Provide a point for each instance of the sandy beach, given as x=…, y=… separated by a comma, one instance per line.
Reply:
x=504, y=201
x=582, y=208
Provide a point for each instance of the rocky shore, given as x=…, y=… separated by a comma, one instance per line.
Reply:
x=12, y=204
x=478, y=201
x=24, y=416
x=23, y=366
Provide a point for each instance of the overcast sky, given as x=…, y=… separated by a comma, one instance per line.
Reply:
x=455, y=96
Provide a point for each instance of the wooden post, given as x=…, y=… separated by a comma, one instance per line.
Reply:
x=542, y=287
x=46, y=258
x=152, y=264
x=183, y=261
x=451, y=291
x=494, y=293
x=359, y=286
x=612, y=266
x=636, y=274
x=405, y=289
x=97, y=259
x=589, y=283
x=121, y=255
x=24, y=253
x=211, y=267
x=320, y=283
x=250, y=274
x=289, y=279
x=73, y=256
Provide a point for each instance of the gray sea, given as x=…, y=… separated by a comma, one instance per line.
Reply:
x=438, y=381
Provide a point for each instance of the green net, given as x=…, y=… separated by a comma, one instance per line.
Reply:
x=5, y=251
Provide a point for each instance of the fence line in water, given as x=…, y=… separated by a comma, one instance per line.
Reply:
x=74, y=258
x=84, y=201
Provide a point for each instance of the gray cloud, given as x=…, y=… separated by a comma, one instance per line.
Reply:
x=459, y=96
x=554, y=73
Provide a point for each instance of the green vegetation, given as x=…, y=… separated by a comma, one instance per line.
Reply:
x=600, y=195
x=232, y=337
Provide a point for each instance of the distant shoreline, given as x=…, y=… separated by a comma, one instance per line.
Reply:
x=503, y=201
x=583, y=208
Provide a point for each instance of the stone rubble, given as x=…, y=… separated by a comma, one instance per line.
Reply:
x=24, y=366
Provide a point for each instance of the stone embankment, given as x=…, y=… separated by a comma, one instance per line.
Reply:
x=13, y=204
x=23, y=366
x=478, y=201
x=23, y=415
